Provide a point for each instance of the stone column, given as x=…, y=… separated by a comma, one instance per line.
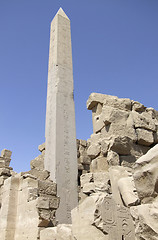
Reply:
x=60, y=133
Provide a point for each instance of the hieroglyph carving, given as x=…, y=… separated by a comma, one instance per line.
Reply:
x=114, y=220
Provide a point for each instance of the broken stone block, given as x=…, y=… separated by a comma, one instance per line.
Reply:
x=113, y=158
x=54, y=202
x=101, y=181
x=128, y=191
x=89, y=188
x=41, y=147
x=146, y=175
x=145, y=218
x=41, y=175
x=47, y=187
x=83, y=220
x=102, y=164
x=121, y=145
x=86, y=178
x=138, y=107
x=38, y=163
x=6, y=153
x=83, y=143
x=143, y=120
x=145, y=137
x=43, y=202
x=4, y=162
x=127, y=160
x=104, y=146
x=93, y=151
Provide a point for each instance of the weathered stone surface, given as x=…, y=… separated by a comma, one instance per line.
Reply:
x=104, y=146
x=116, y=173
x=47, y=187
x=93, y=151
x=146, y=174
x=145, y=217
x=61, y=152
x=114, y=220
x=89, y=188
x=121, y=145
x=86, y=178
x=128, y=191
x=138, y=107
x=143, y=120
x=6, y=153
x=61, y=232
x=145, y=137
x=41, y=175
x=38, y=163
x=101, y=181
x=83, y=219
x=113, y=158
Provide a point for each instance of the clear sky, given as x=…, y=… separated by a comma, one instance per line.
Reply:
x=115, y=52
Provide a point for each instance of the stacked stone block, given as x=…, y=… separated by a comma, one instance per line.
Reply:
x=123, y=131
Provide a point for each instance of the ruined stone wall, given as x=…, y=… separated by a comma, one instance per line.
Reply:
x=123, y=131
x=28, y=200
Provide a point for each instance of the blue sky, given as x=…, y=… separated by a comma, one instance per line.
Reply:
x=115, y=52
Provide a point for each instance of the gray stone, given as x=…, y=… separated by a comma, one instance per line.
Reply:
x=61, y=152
x=6, y=153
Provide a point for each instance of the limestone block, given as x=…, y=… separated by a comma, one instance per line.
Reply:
x=43, y=202
x=93, y=99
x=119, y=103
x=116, y=173
x=42, y=175
x=128, y=191
x=120, y=128
x=41, y=147
x=89, y=188
x=145, y=217
x=146, y=175
x=138, y=150
x=101, y=181
x=83, y=218
x=104, y=146
x=102, y=164
x=138, y=107
x=121, y=145
x=2, y=179
x=84, y=158
x=47, y=187
x=4, y=162
x=6, y=153
x=113, y=158
x=143, y=120
x=145, y=137
x=93, y=150
x=86, y=178
x=38, y=163
x=54, y=202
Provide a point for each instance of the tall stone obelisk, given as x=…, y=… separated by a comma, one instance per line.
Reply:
x=60, y=133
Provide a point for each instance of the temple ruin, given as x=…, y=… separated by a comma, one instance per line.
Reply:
x=105, y=187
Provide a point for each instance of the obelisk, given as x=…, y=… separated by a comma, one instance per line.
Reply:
x=60, y=132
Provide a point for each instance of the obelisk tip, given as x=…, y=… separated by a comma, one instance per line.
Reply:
x=62, y=13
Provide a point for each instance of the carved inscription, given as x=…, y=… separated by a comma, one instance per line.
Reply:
x=115, y=220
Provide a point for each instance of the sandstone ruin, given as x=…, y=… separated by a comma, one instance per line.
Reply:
x=117, y=169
